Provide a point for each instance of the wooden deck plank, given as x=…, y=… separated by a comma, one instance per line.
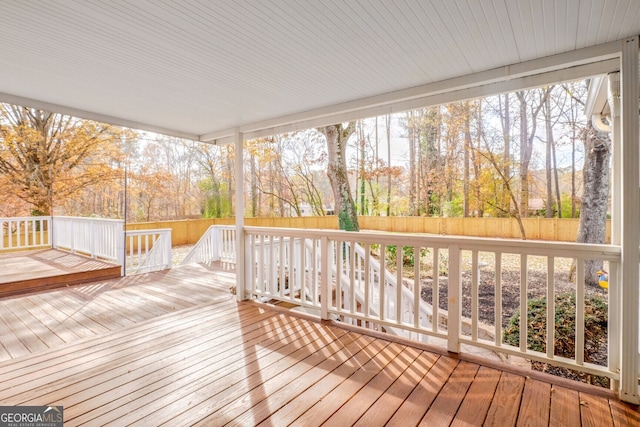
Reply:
x=595, y=411
x=166, y=365
x=56, y=327
x=324, y=409
x=535, y=404
x=386, y=406
x=422, y=397
x=278, y=391
x=477, y=401
x=98, y=353
x=506, y=401
x=95, y=347
x=624, y=414
x=450, y=398
x=320, y=389
x=34, y=325
x=177, y=379
x=362, y=401
x=11, y=340
x=126, y=351
x=565, y=407
x=230, y=392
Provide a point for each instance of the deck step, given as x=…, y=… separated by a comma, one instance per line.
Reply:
x=34, y=271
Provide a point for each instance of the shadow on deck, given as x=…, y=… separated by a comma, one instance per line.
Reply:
x=175, y=347
x=37, y=270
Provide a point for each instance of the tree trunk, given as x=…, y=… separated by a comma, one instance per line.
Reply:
x=525, y=157
x=411, y=127
x=557, y=182
x=548, y=146
x=467, y=149
x=388, y=123
x=506, y=134
x=337, y=137
x=254, y=187
x=593, y=211
x=361, y=140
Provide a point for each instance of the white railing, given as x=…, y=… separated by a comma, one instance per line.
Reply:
x=24, y=232
x=96, y=237
x=218, y=243
x=148, y=250
x=288, y=265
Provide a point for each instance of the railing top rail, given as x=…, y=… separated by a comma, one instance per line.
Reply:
x=150, y=231
x=24, y=218
x=89, y=219
x=577, y=250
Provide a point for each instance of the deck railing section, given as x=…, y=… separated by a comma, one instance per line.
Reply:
x=218, y=243
x=290, y=264
x=96, y=237
x=24, y=232
x=148, y=250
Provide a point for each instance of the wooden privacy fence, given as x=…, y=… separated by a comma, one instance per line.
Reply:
x=187, y=232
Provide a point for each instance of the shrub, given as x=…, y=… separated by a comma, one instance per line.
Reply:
x=565, y=321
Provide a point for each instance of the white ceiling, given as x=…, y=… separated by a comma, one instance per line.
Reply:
x=192, y=68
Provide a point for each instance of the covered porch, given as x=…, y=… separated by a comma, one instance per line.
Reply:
x=187, y=82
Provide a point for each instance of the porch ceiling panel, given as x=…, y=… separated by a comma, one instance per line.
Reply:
x=191, y=68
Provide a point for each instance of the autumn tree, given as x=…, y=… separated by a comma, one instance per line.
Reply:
x=337, y=137
x=531, y=102
x=46, y=156
x=212, y=162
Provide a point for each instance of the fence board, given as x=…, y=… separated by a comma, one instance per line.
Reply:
x=187, y=232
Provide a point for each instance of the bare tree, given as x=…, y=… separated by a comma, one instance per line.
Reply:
x=337, y=137
x=595, y=197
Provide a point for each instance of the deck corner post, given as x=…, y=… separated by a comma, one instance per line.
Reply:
x=239, y=199
x=630, y=227
x=121, y=248
x=324, y=278
x=454, y=292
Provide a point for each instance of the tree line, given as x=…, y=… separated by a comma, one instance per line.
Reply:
x=510, y=155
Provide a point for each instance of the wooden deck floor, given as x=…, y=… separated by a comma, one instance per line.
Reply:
x=26, y=271
x=174, y=348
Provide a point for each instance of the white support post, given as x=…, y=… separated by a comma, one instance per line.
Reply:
x=240, y=238
x=616, y=157
x=455, y=284
x=325, y=274
x=614, y=321
x=121, y=248
x=630, y=233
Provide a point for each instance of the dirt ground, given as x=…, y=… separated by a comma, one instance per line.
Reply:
x=536, y=288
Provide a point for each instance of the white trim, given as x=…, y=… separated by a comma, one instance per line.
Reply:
x=89, y=115
x=630, y=231
x=239, y=200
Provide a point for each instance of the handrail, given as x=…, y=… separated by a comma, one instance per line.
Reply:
x=359, y=291
x=27, y=232
x=218, y=243
x=96, y=237
x=148, y=250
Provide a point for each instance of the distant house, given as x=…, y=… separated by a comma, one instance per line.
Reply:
x=537, y=206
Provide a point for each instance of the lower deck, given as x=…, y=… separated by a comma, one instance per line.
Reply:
x=36, y=270
x=175, y=348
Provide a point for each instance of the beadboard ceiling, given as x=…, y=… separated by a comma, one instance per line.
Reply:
x=193, y=68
